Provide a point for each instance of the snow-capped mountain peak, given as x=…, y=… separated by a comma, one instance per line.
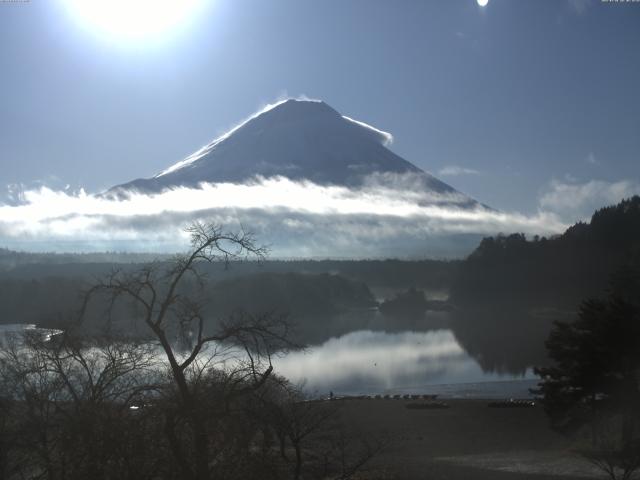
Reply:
x=297, y=139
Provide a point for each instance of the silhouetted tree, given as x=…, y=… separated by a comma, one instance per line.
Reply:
x=169, y=311
x=593, y=381
x=196, y=399
x=68, y=408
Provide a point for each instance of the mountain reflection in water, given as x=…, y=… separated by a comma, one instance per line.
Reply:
x=374, y=362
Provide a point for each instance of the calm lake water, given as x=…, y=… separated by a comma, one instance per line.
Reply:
x=369, y=362
x=378, y=362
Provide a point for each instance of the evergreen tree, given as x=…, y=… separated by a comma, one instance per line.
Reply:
x=594, y=379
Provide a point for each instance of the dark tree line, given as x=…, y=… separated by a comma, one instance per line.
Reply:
x=434, y=274
x=48, y=302
x=560, y=270
x=512, y=288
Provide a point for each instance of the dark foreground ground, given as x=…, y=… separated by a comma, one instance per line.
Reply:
x=469, y=440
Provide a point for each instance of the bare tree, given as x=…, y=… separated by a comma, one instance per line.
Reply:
x=69, y=403
x=198, y=401
x=167, y=308
x=311, y=436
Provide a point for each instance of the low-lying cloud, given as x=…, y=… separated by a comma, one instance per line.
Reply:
x=295, y=218
x=575, y=201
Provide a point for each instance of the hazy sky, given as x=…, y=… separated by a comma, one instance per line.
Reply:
x=520, y=104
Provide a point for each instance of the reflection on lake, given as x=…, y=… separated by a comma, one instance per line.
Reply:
x=15, y=331
x=372, y=362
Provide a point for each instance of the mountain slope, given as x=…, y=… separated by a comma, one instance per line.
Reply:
x=300, y=140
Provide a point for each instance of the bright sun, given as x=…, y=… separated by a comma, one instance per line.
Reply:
x=483, y=3
x=132, y=19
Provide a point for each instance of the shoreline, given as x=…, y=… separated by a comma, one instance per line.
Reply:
x=481, y=390
x=467, y=440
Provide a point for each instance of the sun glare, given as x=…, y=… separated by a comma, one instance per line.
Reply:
x=132, y=19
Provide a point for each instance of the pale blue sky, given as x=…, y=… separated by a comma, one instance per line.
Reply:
x=523, y=95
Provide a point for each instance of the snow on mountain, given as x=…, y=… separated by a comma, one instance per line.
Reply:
x=305, y=179
x=300, y=140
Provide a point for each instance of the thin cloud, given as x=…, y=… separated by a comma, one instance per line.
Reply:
x=574, y=201
x=579, y=6
x=455, y=170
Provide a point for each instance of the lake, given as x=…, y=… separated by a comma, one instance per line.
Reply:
x=368, y=362
x=374, y=361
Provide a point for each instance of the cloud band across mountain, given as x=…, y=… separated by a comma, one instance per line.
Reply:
x=297, y=218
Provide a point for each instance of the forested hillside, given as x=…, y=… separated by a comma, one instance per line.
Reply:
x=558, y=271
x=510, y=289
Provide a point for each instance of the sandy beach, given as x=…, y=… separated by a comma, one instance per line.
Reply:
x=468, y=440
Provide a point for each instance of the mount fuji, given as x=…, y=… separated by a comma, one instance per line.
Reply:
x=307, y=180
x=302, y=140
